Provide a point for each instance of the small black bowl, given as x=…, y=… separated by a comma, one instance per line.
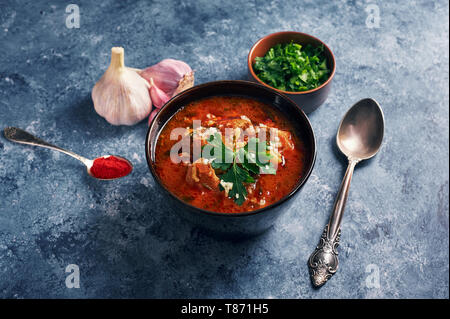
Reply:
x=244, y=224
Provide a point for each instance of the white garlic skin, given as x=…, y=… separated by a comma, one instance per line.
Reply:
x=171, y=76
x=121, y=95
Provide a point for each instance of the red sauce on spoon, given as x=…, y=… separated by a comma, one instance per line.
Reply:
x=110, y=167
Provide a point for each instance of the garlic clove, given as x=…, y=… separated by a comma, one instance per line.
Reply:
x=121, y=95
x=169, y=75
x=159, y=98
x=152, y=116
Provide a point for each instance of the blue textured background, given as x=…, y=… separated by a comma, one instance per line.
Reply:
x=125, y=237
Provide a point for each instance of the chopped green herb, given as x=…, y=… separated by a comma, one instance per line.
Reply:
x=238, y=176
x=221, y=155
x=290, y=67
x=238, y=165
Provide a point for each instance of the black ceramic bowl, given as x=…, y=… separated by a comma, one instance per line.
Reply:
x=235, y=224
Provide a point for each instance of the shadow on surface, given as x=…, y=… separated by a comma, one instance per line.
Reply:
x=81, y=115
x=148, y=251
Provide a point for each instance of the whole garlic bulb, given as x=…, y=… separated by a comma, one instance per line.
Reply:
x=169, y=75
x=121, y=95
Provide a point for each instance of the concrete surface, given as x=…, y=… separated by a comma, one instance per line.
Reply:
x=125, y=238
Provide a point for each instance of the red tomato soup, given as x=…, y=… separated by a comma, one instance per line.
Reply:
x=242, y=184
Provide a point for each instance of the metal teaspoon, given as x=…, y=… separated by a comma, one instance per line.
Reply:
x=359, y=137
x=18, y=135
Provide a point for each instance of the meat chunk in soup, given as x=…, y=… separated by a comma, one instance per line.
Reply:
x=200, y=173
x=240, y=123
x=285, y=140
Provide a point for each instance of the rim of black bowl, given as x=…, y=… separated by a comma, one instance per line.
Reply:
x=298, y=186
x=250, y=64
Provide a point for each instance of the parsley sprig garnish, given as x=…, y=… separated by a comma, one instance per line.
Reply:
x=290, y=67
x=237, y=165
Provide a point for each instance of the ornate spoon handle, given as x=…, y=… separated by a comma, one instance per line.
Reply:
x=323, y=262
x=18, y=135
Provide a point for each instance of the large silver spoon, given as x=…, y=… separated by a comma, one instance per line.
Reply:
x=18, y=135
x=359, y=137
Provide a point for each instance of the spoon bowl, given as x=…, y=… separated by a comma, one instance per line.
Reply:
x=361, y=131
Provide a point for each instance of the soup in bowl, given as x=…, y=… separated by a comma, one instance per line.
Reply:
x=231, y=154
